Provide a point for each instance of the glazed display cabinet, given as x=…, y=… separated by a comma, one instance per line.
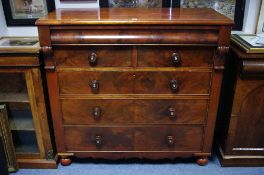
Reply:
x=22, y=92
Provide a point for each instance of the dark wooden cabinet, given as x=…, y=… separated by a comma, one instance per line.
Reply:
x=21, y=91
x=125, y=83
x=241, y=119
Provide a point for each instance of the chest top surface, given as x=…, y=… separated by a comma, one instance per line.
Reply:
x=135, y=16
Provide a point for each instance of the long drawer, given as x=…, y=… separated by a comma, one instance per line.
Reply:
x=140, y=138
x=123, y=111
x=146, y=56
x=127, y=82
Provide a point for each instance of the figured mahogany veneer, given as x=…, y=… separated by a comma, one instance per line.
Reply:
x=147, y=56
x=142, y=82
x=240, y=139
x=125, y=83
x=114, y=111
x=154, y=138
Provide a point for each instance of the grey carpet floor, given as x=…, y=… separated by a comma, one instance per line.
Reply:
x=144, y=168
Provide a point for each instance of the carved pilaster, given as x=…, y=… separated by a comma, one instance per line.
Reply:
x=219, y=58
x=48, y=54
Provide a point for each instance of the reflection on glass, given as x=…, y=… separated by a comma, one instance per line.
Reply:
x=14, y=94
x=136, y=3
x=226, y=7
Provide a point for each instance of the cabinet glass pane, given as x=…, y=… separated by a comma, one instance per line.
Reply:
x=14, y=93
x=25, y=142
x=13, y=87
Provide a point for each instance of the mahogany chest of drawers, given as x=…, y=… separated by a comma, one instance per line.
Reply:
x=127, y=83
x=240, y=123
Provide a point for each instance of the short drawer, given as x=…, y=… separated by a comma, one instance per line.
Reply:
x=118, y=111
x=88, y=82
x=93, y=56
x=175, y=56
x=140, y=138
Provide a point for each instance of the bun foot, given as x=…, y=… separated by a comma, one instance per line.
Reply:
x=202, y=161
x=65, y=161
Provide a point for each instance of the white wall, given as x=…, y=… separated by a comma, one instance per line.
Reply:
x=3, y=30
x=250, y=17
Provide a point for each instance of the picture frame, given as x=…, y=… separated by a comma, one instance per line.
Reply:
x=250, y=43
x=19, y=44
x=260, y=23
x=26, y=12
x=163, y=3
x=238, y=10
x=6, y=135
x=235, y=10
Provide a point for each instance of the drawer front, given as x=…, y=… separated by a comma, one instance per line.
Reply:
x=93, y=56
x=113, y=112
x=134, y=82
x=172, y=56
x=154, y=138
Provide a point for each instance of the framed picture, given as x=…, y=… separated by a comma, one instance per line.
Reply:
x=233, y=9
x=260, y=25
x=19, y=43
x=26, y=12
x=78, y=0
x=6, y=135
x=139, y=3
x=250, y=43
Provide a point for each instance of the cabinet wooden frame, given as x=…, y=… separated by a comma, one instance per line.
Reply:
x=6, y=136
x=28, y=64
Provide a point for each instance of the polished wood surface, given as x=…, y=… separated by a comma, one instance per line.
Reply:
x=184, y=138
x=21, y=75
x=135, y=16
x=125, y=111
x=241, y=143
x=79, y=82
x=127, y=83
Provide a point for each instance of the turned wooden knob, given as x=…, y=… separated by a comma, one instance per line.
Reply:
x=94, y=86
x=92, y=58
x=98, y=141
x=170, y=140
x=175, y=59
x=96, y=113
x=172, y=113
x=174, y=85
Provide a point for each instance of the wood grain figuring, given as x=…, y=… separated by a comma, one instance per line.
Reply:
x=107, y=56
x=134, y=16
x=19, y=60
x=22, y=86
x=133, y=138
x=133, y=112
x=134, y=82
x=161, y=56
x=241, y=143
x=252, y=68
x=183, y=36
